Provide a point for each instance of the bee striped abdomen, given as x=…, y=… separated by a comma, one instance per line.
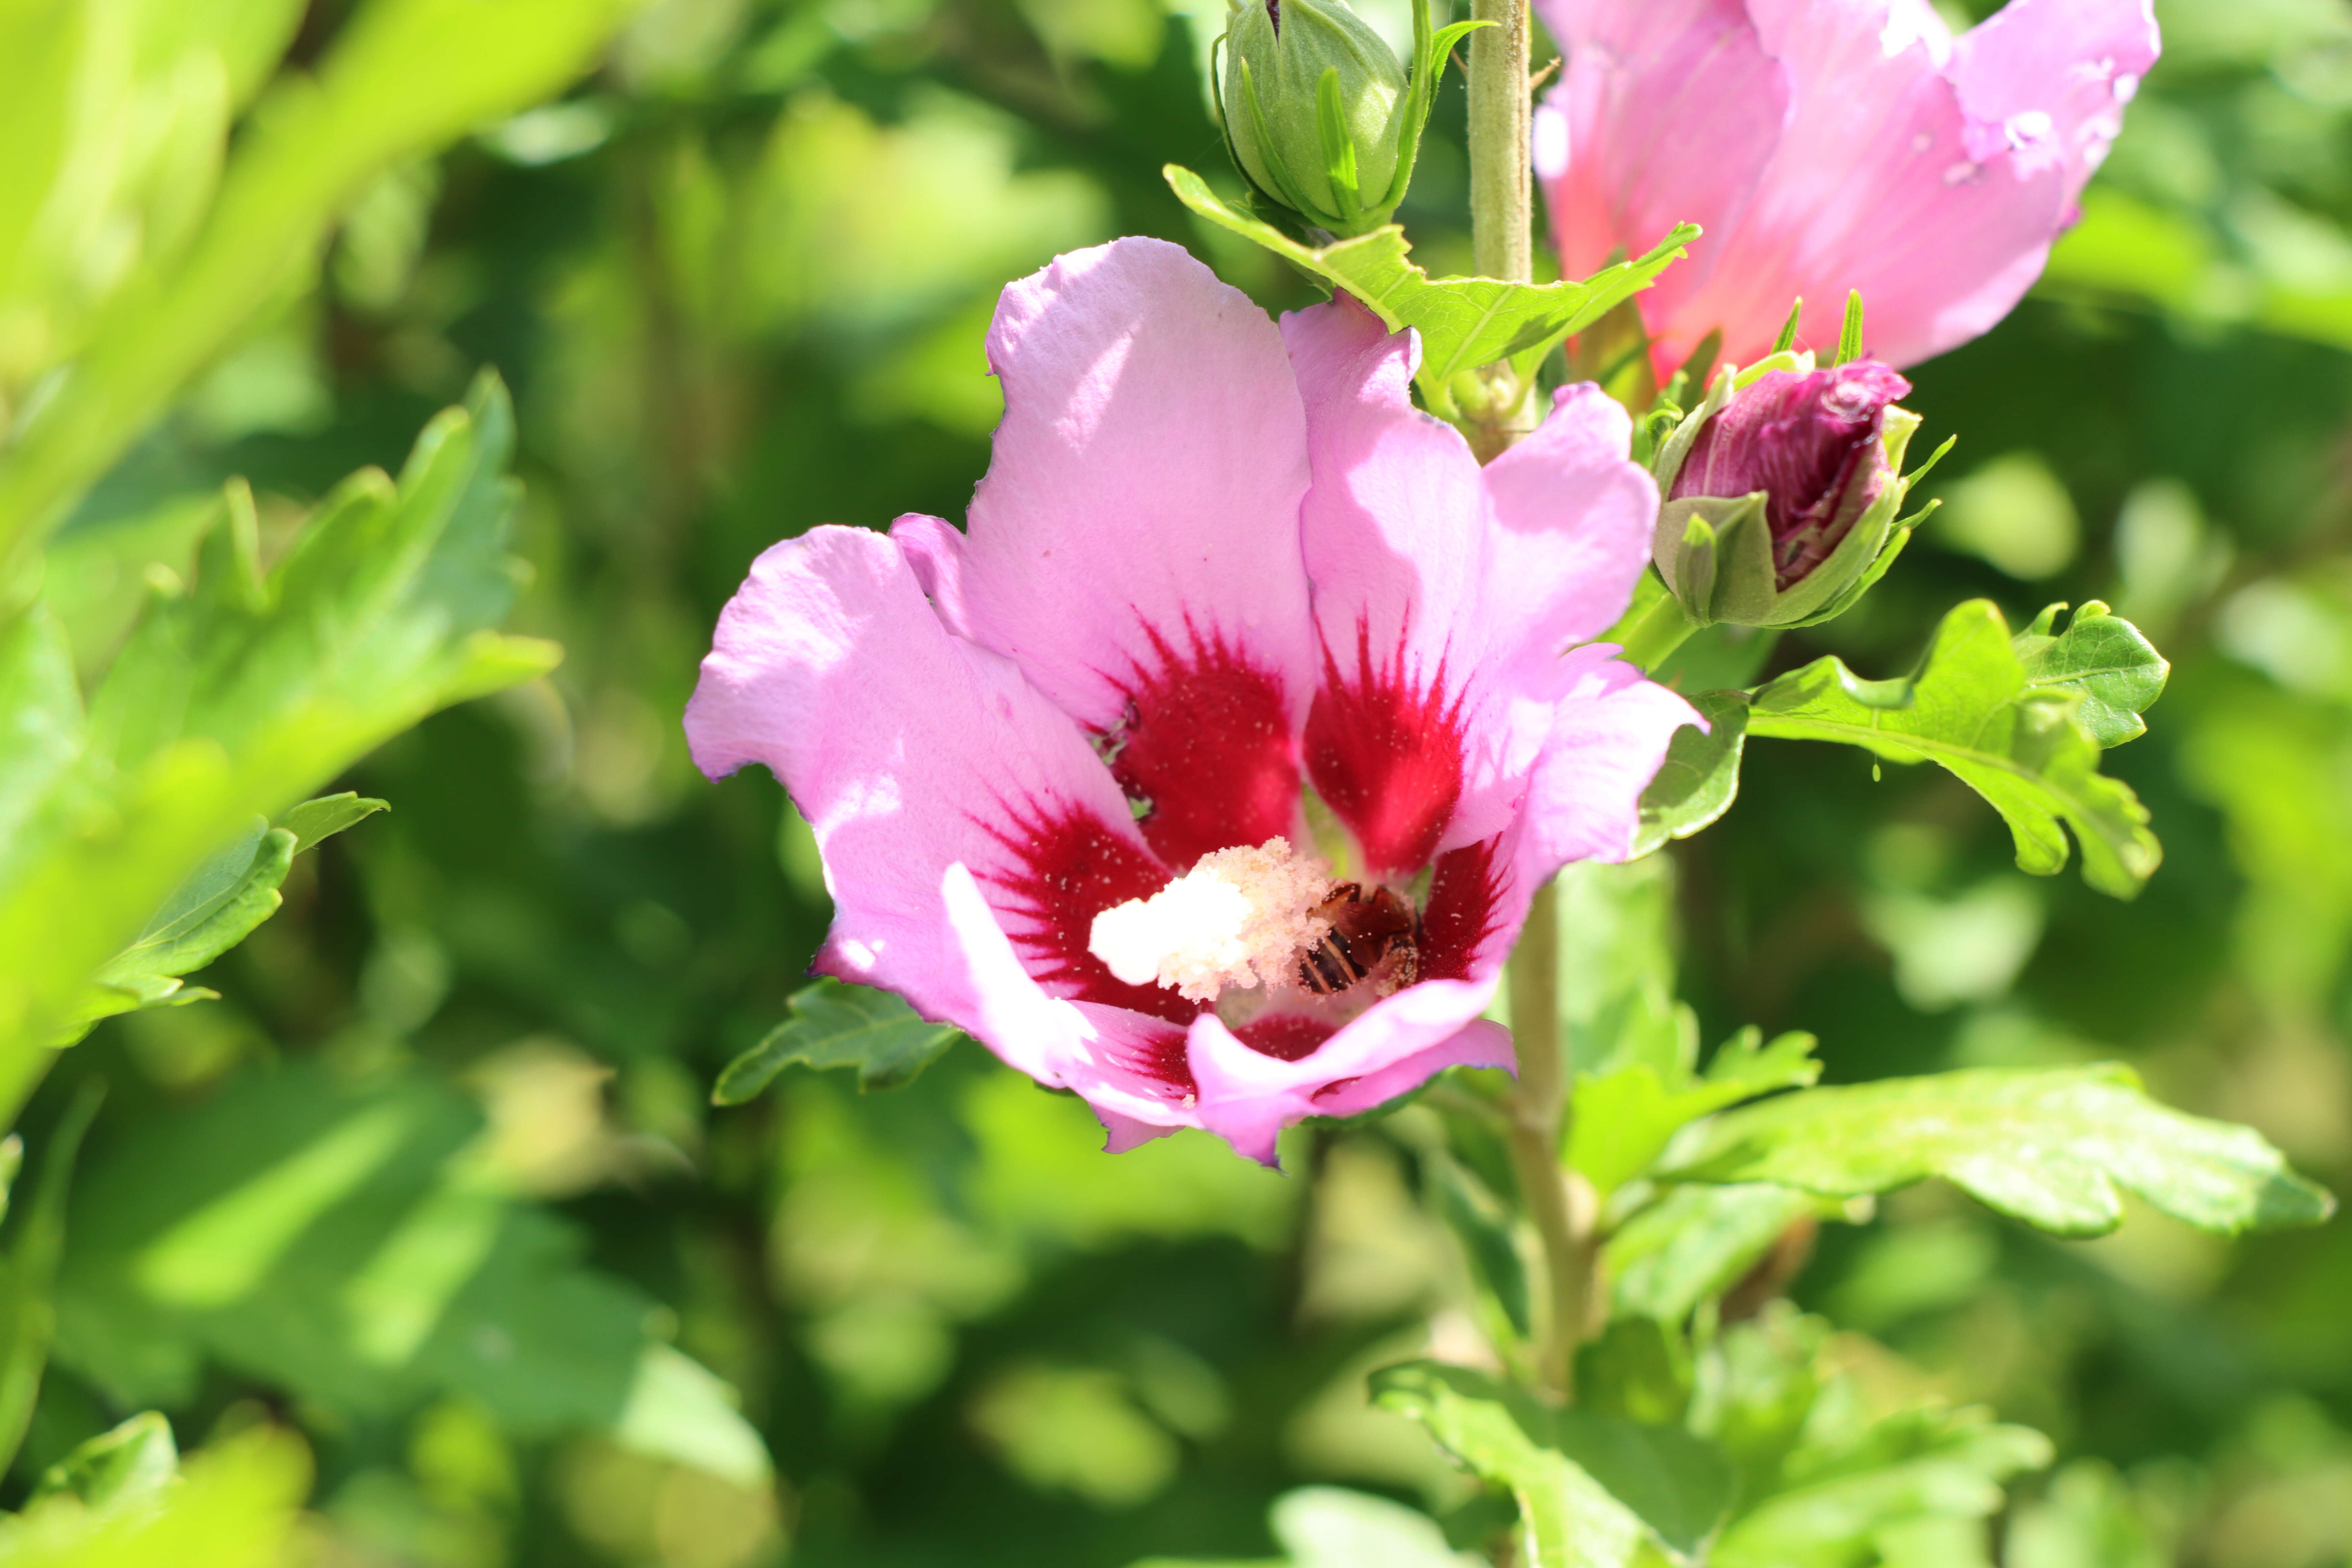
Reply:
x=1328, y=967
x=1366, y=934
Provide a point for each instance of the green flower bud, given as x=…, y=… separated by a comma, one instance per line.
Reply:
x=1318, y=112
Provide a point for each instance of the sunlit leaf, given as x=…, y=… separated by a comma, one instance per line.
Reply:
x=29, y=1271
x=1953, y=1470
x=835, y=1025
x=1695, y=1242
x=1328, y=1527
x=2118, y=672
x=235, y=1505
x=142, y=855
x=1973, y=709
x=2057, y=1148
x=402, y=77
x=1700, y=777
x=126, y=1467
x=1591, y=1489
x=1464, y=323
x=345, y=1245
x=1623, y=1119
x=328, y=815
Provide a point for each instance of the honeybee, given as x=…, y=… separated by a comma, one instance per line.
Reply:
x=1376, y=931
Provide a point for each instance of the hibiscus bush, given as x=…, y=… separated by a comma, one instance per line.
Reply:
x=1175, y=781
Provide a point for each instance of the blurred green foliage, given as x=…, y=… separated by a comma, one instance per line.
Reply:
x=428, y=1225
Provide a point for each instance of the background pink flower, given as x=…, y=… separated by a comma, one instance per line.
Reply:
x=1828, y=145
x=1212, y=562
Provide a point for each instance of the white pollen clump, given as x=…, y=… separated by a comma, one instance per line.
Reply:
x=1240, y=917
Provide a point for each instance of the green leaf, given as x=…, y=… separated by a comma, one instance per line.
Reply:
x=1625, y=1119
x=402, y=78
x=1953, y=1469
x=1464, y=323
x=2055, y=1148
x=1697, y=1242
x=328, y=815
x=359, y=1248
x=1973, y=710
x=1700, y=777
x=195, y=926
x=835, y=1025
x=1484, y=1226
x=2118, y=671
x=28, y=1272
x=1330, y=1527
x=236, y=1504
x=677, y=1409
x=127, y=1466
x=227, y=705
x=1591, y=1489
x=219, y=906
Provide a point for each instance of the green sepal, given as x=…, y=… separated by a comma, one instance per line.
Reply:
x=1716, y=552
x=1849, y=347
x=1339, y=151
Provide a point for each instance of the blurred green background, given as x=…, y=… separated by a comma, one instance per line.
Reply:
x=437, y=1184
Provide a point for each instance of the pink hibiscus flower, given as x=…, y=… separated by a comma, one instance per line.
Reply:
x=1828, y=145
x=1232, y=621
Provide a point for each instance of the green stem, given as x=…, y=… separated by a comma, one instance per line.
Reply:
x=1502, y=244
x=1502, y=202
x=1502, y=207
x=1536, y=1117
x=1654, y=635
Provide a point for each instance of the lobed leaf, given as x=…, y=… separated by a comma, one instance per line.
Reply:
x=836, y=1024
x=2056, y=1148
x=140, y=850
x=1697, y=1242
x=1700, y=777
x=1974, y=710
x=1954, y=1474
x=1464, y=322
x=1625, y=1119
x=1593, y=1490
x=2117, y=672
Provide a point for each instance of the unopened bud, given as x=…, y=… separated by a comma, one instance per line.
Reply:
x=1318, y=111
x=1781, y=492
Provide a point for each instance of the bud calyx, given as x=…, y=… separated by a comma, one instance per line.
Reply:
x=1781, y=492
x=1319, y=115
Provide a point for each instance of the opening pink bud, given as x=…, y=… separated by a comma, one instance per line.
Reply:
x=1810, y=441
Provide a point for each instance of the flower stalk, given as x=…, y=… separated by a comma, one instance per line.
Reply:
x=1502, y=205
x=1535, y=1111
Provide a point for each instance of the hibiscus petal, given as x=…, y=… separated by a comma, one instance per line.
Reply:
x=1247, y=1098
x=2054, y=75
x=1445, y=592
x=911, y=752
x=1667, y=112
x=1931, y=174
x=1134, y=548
x=1394, y=532
x=1574, y=515
x=1608, y=735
